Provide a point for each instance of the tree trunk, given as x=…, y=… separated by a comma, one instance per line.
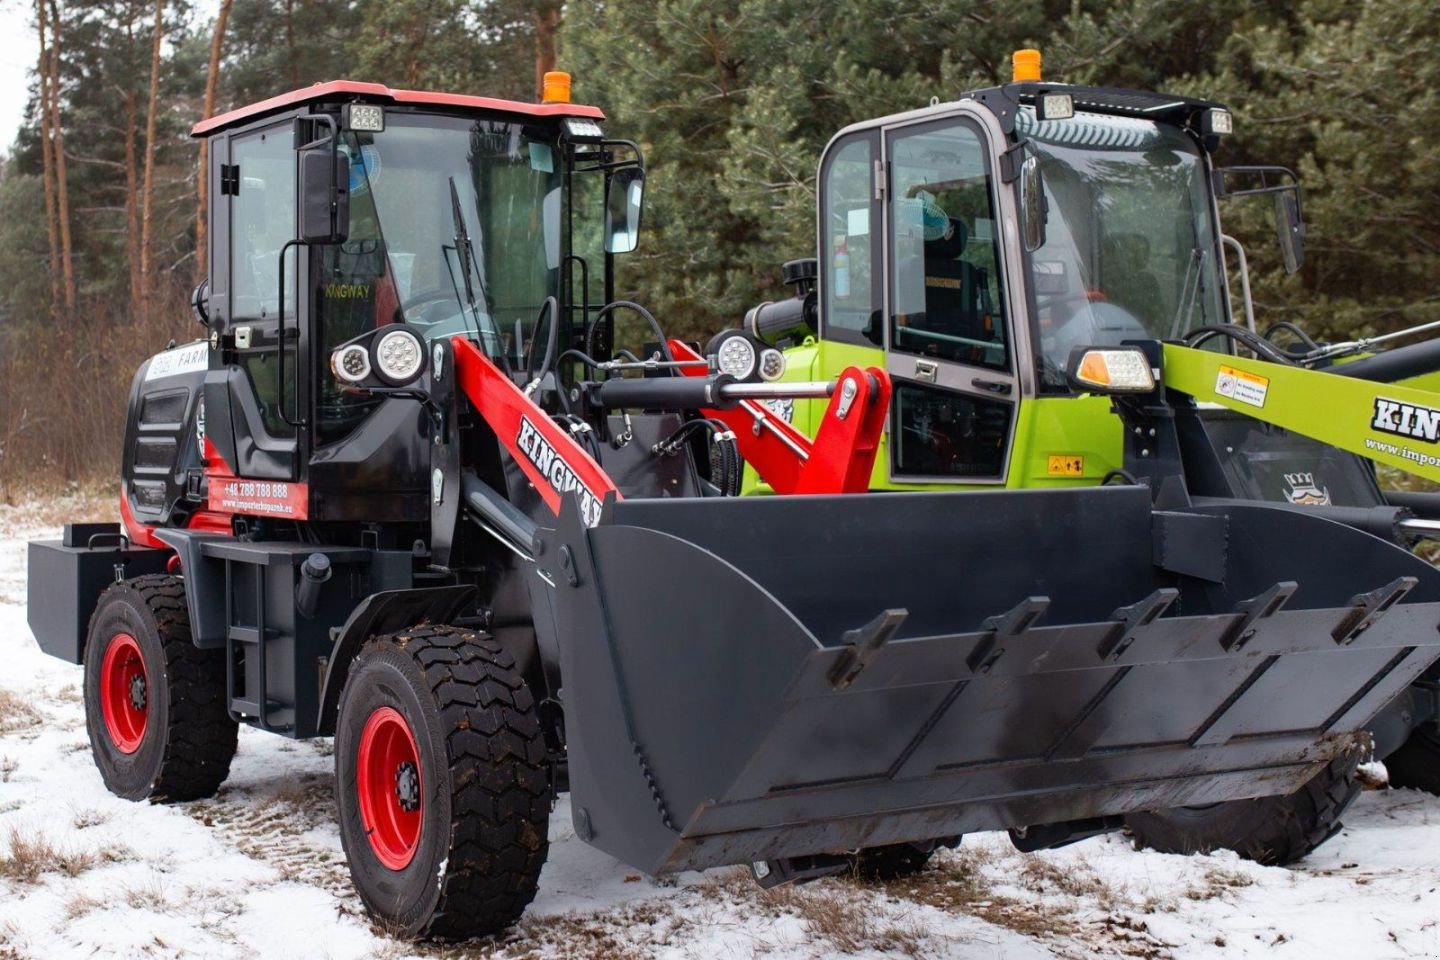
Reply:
x=290, y=43
x=147, y=189
x=47, y=159
x=547, y=23
x=132, y=197
x=62, y=192
x=202, y=179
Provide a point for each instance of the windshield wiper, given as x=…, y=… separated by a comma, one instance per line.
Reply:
x=1189, y=292
x=462, y=243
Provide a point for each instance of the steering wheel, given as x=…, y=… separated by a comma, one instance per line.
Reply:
x=426, y=297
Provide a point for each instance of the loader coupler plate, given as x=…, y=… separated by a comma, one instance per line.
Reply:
x=756, y=678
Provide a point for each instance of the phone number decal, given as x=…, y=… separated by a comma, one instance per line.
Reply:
x=260, y=496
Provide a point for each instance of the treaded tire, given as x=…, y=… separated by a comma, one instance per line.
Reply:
x=1274, y=831
x=897, y=860
x=188, y=739
x=485, y=786
x=1417, y=762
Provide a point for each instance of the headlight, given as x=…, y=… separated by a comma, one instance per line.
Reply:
x=772, y=364
x=736, y=357
x=350, y=364
x=399, y=356
x=1111, y=370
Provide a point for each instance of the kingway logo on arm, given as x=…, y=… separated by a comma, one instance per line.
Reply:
x=559, y=474
x=1407, y=420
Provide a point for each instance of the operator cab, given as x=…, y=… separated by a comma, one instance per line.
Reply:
x=978, y=242
x=353, y=229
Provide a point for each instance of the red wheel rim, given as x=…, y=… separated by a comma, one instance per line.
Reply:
x=124, y=693
x=388, y=783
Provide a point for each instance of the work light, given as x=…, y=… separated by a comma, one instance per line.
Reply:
x=736, y=356
x=363, y=117
x=1054, y=106
x=772, y=364
x=351, y=363
x=1217, y=122
x=582, y=130
x=399, y=356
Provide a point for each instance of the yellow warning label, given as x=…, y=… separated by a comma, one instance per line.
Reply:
x=1065, y=465
x=1241, y=386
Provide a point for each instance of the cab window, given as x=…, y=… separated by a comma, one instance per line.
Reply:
x=946, y=300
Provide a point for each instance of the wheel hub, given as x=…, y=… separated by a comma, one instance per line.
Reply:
x=407, y=786
x=388, y=787
x=123, y=692
x=138, y=699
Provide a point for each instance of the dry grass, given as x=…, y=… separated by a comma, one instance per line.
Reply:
x=1217, y=882
x=31, y=856
x=16, y=714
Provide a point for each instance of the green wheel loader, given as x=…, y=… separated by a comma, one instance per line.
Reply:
x=975, y=249
x=405, y=489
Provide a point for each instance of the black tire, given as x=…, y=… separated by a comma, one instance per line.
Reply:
x=897, y=860
x=1417, y=763
x=188, y=737
x=1274, y=831
x=484, y=790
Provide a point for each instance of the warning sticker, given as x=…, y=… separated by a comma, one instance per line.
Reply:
x=1065, y=465
x=1241, y=386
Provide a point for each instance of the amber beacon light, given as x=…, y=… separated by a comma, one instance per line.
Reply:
x=1026, y=64
x=556, y=88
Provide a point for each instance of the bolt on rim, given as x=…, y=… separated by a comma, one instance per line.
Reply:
x=124, y=693
x=389, y=788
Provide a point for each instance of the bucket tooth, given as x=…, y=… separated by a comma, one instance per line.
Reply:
x=1003, y=628
x=862, y=644
x=1128, y=620
x=1366, y=608
x=1254, y=610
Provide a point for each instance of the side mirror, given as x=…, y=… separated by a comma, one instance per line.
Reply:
x=324, y=196
x=1290, y=230
x=1032, y=204
x=622, y=209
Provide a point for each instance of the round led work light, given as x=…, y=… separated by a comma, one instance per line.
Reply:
x=399, y=356
x=350, y=364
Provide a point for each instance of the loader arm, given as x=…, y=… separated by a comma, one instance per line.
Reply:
x=1385, y=422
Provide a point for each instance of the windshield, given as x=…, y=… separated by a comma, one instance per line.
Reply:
x=454, y=228
x=1130, y=244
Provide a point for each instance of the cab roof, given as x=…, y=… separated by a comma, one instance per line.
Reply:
x=344, y=91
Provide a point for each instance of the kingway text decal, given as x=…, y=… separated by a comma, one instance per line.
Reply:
x=1407, y=420
x=556, y=471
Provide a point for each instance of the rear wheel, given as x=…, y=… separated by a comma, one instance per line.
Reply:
x=444, y=784
x=1271, y=830
x=154, y=703
x=1417, y=762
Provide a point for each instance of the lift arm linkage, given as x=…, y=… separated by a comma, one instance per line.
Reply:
x=1385, y=422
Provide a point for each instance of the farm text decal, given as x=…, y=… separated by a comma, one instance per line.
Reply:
x=556, y=471
x=1408, y=420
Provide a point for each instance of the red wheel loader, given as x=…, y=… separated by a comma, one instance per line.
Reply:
x=413, y=492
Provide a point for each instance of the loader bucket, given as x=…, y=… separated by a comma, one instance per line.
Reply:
x=755, y=678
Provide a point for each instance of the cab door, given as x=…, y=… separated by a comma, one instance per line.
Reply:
x=947, y=327
x=256, y=318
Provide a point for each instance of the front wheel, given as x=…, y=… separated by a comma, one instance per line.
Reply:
x=443, y=783
x=155, y=704
x=1417, y=762
x=1274, y=831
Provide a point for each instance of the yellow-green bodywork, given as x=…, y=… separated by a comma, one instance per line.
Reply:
x=1062, y=427
x=1075, y=440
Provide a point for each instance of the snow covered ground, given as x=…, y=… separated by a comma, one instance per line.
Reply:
x=259, y=870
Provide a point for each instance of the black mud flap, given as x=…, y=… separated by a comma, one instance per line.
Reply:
x=756, y=678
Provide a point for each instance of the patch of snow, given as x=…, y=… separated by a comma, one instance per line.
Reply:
x=259, y=870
